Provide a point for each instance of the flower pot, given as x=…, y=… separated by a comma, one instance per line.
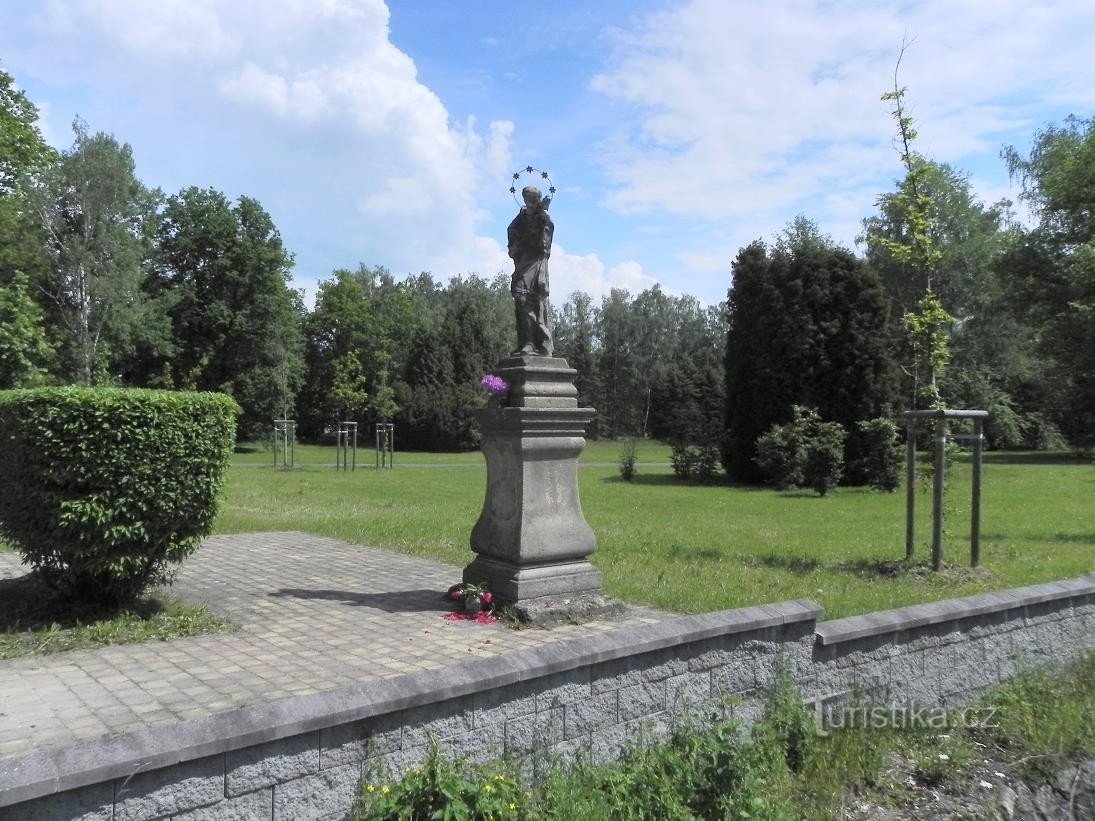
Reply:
x=472, y=604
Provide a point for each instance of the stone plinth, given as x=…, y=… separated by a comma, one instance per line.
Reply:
x=531, y=539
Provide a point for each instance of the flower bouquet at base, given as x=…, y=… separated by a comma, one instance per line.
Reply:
x=475, y=603
x=496, y=389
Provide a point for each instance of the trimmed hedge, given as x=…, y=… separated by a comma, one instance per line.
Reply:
x=103, y=489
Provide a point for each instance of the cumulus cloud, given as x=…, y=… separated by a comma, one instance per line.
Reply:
x=351, y=152
x=586, y=272
x=744, y=111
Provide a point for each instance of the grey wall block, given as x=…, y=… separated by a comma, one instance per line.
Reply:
x=272, y=763
x=440, y=721
x=592, y=713
x=259, y=804
x=170, y=790
x=324, y=794
x=538, y=731
x=564, y=688
x=643, y=699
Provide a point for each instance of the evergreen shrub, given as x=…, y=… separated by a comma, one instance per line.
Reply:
x=781, y=451
x=804, y=452
x=824, y=465
x=880, y=465
x=102, y=490
x=628, y=458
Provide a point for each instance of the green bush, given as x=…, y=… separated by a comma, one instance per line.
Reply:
x=804, y=452
x=881, y=462
x=102, y=490
x=628, y=458
x=781, y=453
x=824, y=465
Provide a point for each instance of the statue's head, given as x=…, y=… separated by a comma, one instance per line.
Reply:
x=531, y=195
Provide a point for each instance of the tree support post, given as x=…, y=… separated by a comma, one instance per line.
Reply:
x=941, y=418
x=937, y=492
x=975, y=503
x=910, y=490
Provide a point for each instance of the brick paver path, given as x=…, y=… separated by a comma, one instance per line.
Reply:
x=314, y=614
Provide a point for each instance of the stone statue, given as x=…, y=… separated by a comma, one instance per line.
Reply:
x=529, y=238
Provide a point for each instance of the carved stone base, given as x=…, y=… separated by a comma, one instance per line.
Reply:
x=548, y=610
x=512, y=582
x=531, y=539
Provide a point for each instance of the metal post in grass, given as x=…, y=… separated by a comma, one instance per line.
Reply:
x=975, y=502
x=285, y=434
x=385, y=449
x=937, y=492
x=941, y=418
x=910, y=489
x=346, y=446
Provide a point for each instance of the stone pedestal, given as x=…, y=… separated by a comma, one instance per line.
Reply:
x=531, y=540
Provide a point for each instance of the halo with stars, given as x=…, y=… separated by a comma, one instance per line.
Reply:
x=528, y=169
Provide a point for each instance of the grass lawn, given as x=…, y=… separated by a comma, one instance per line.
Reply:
x=699, y=548
x=32, y=622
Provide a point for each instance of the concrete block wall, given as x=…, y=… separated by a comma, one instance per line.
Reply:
x=305, y=757
x=948, y=653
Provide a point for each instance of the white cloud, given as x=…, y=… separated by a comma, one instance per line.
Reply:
x=299, y=99
x=586, y=272
x=569, y=272
x=165, y=30
x=307, y=106
x=751, y=112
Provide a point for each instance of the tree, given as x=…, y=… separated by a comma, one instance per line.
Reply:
x=908, y=241
x=620, y=404
x=807, y=324
x=24, y=157
x=336, y=331
x=26, y=356
x=1053, y=270
x=574, y=341
x=687, y=395
x=236, y=321
x=97, y=221
x=22, y=149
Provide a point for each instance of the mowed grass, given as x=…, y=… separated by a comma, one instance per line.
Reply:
x=693, y=548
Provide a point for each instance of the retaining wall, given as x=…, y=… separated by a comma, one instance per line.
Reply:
x=305, y=757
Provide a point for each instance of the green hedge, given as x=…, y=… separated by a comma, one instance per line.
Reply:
x=103, y=489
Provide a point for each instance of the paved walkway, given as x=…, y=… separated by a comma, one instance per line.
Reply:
x=314, y=614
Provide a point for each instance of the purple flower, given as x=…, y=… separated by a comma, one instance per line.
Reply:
x=494, y=384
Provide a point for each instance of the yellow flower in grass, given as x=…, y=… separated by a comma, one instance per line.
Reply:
x=386, y=790
x=488, y=788
x=370, y=788
x=512, y=806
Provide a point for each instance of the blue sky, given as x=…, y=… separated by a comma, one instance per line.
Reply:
x=676, y=132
